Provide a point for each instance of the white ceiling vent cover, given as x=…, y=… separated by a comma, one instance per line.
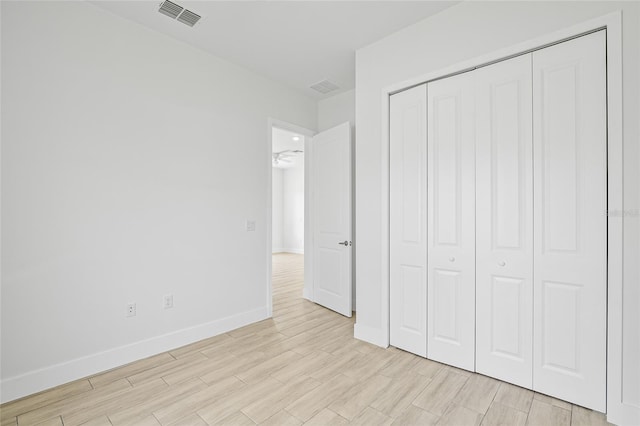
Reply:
x=175, y=11
x=189, y=18
x=324, y=86
x=170, y=9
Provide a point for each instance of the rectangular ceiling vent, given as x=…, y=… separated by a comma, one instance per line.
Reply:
x=175, y=11
x=189, y=18
x=324, y=86
x=170, y=9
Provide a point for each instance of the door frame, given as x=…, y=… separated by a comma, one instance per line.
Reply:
x=307, y=292
x=612, y=22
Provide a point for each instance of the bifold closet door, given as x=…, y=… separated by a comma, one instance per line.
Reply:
x=570, y=222
x=408, y=220
x=451, y=220
x=504, y=221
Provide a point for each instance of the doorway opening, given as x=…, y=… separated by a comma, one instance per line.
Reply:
x=287, y=214
x=288, y=270
x=309, y=217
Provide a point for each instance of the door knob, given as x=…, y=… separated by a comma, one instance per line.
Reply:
x=344, y=243
x=452, y=259
x=502, y=263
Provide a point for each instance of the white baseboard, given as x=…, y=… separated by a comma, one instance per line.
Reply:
x=278, y=250
x=293, y=250
x=55, y=375
x=306, y=293
x=372, y=335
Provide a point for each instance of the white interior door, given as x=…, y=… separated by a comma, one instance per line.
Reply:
x=451, y=221
x=570, y=222
x=408, y=220
x=331, y=192
x=504, y=221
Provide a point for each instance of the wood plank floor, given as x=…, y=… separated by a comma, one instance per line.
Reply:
x=301, y=367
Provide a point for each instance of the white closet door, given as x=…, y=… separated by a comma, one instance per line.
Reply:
x=504, y=221
x=408, y=220
x=570, y=237
x=451, y=218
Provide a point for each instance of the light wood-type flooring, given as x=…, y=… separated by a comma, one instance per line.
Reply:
x=302, y=366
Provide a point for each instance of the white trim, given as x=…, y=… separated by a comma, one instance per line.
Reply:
x=48, y=377
x=309, y=220
x=617, y=411
x=293, y=250
x=288, y=250
x=307, y=294
x=372, y=335
x=605, y=21
x=271, y=123
x=384, y=215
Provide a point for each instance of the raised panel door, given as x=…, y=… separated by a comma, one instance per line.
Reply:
x=570, y=222
x=451, y=221
x=408, y=220
x=504, y=221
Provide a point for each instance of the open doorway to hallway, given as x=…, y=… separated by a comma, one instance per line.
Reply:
x=287, y=192
x=288, y=215
x=310, y=211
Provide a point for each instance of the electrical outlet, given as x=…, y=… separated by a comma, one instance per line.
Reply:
x=251, y=225
x=167, y=301
x=131, y=310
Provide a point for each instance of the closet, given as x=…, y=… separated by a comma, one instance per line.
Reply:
x=498, y=231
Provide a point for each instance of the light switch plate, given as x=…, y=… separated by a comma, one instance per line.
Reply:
x=251, y=225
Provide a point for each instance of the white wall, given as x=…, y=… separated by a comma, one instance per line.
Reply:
x=288, y=208
x=460, y=33
x=289, y=233
x=336, y=110
x=277, y=210
x=121, y=183
x=293, y=207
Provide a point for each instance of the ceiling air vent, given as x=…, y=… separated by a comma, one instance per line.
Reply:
x=175, y=11
x=170, y=9
x=324, y=86
x=189, y=18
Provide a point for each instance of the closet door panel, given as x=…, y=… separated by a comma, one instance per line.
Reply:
x=451, y=219
x=408, y=220
x=504, y=221
x=570, y=203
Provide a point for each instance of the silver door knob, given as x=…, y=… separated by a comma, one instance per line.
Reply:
x=502, y=263
x=344, y=243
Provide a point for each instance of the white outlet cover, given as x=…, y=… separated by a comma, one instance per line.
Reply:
x=131, y=310
x=167, y=301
